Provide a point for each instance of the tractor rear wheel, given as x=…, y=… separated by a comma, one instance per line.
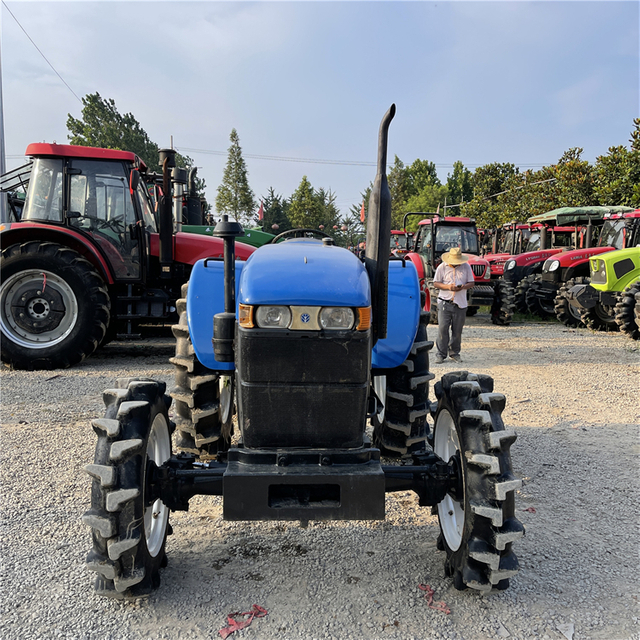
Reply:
x=601, y=317
x=400, y=425
x=477, y=521
x=541, y=306
x=521, y=293
x=627, y=314
x=204, y=400
x=54, y=306
x=129, y=527
x=565, y=311
x=504, y=303
x=471, y=311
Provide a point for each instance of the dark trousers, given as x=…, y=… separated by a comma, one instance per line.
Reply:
x=450, y=318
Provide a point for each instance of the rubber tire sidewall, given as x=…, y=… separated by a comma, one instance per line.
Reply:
x=84, y=337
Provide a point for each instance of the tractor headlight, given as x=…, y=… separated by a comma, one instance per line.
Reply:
x=553, y=265
x=268, y=317
x=336, y=318
x=509, y=264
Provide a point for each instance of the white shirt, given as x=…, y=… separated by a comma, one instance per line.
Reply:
x=459, y=275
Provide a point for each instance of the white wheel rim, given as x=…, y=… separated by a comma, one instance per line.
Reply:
x=226, y=398
x=450, y=512
x=38, y=308
x=380, y=387
x=157, y=514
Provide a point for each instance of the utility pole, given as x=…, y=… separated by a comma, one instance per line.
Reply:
x=3, y=166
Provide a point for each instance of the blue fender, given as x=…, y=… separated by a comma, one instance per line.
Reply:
x=205, y=298
x=403, y=316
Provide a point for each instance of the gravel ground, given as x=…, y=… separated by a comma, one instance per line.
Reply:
x=572, y=396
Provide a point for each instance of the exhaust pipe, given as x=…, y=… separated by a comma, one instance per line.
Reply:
x=376, y=257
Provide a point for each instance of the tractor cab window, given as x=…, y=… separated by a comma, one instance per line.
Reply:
x=464, y=237
x=100, y=204
x=398, y=242
x=533, y=242
x=147, y=209
x=506, y=242
x=44, y=196
x=423, y=241
x=612, y=234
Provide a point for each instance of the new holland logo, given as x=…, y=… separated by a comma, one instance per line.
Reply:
x=305, y=317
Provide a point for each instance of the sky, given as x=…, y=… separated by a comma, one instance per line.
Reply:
x=478, y=82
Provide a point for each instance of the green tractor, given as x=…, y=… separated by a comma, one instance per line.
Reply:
x=615, y=285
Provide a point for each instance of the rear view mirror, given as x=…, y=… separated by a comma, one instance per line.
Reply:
x=134, y=180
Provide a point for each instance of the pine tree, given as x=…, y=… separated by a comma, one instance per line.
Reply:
x=235, y=197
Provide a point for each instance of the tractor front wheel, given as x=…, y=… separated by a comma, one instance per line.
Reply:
x=400, y=424
x=477, y=520
x=521, y=293
x=54, y=306
x=504, y=303
x=627, y=314
x=129, y=525
x=565, y=311
x=539, y=305
x=600, y=317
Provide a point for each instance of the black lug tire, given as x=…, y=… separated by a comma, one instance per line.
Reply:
x=404, y=428
x=201, y=428
x=121, y=557
x=565, y=311
x=471, y=311
x=627, y=318
x=600, y=317
x=504, y=303
x=71, y=276
x=541, y=307
x=482, y=556
x=521, y=293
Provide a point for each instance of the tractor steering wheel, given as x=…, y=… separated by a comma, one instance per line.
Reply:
x=300, y=233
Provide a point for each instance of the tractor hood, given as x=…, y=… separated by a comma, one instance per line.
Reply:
x=304, y=272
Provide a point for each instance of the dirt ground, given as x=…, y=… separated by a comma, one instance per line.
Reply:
x=572, y=397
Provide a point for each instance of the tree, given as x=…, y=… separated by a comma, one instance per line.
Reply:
x=102, y=125
x=304, y=207
x=275, y=213
x=616, y=176
x=235, y=197
x=459, y=187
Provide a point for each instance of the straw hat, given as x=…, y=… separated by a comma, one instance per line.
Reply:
x=455, y=257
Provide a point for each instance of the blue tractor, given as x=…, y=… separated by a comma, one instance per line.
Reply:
x=310, y=343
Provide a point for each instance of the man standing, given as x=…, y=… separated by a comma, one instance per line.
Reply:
x=453, y=277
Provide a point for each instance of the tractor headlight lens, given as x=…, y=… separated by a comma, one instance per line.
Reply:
x=554, y=265
x=336, y=318
x=509, y=264
x=273, y=317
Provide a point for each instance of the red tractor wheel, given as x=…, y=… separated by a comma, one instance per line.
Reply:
x=54, y=306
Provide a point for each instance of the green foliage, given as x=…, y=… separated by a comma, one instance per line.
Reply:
x=304, y=208
x=459, y=184
x=235, y=197
x=103, y=126
x=617, y=175
x=275, y=212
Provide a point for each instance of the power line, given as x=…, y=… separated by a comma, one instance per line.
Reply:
x=40, y=52
x=356, y=163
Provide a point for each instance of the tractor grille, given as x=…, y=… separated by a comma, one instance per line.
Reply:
x=478, y=270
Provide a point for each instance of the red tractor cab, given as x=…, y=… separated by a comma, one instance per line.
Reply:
x=509, y=240
x=548, y=294
x=92, y=256
x=438, y=234
x=400, y=243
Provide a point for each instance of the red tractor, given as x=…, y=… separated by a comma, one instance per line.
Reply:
x=548, y=293
x=546, y=239
x=92, y=255
x=509, y=240
x=400, y=243
x=435, y=236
